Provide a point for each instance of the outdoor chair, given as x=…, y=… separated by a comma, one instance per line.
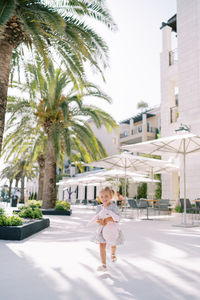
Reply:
x=189, y=207
x=78, y=201
x=198, y=204
x=142, y=204
x=133, y=205
x=129, y=208
x=84, y=202
x=162, y=205
x=94, y=203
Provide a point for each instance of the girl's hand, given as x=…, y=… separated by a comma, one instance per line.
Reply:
x=109, y=219
x=101, y=221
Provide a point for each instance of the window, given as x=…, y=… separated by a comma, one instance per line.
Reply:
x=139, y=128
x=126, y=132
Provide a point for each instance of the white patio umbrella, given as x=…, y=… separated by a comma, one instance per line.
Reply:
x=183, y=144
x=128, y=162
x=117, y=173
x=88, y=179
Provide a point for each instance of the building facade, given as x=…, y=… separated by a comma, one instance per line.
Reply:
x=180, y=90
x=142, y=127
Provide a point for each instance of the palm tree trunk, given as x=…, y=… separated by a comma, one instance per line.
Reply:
x=49, y=190
x=5, y=61
x=22, y=188
x=10, y=188
x=16, y=182
x=41, y=163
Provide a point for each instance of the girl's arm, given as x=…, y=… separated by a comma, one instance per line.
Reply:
x=113, y=215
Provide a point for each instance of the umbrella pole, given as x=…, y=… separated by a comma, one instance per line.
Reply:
x=184, y=183
x=125, y=182
x=152, y=183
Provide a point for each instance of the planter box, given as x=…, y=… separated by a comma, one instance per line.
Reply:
x=56, y=212
x=52, y=212
x=21, y=232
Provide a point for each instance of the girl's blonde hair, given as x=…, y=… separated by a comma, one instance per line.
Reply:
x=107, y=189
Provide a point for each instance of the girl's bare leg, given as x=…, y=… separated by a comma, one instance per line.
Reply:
x=103, y=253
x=113, y=251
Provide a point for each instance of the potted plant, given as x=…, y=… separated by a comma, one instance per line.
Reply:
x=18, y=227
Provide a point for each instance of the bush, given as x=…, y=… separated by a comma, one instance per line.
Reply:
x=35, y=203
x=31, y=212
x=1, y=211
x=142, y=191
x=178, y=209
x=10, y=221
x=158, y=190
x=62, y=205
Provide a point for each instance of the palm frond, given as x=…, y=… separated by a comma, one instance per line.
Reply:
x=6, y=10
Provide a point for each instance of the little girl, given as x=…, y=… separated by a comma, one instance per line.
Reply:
x=108, y=232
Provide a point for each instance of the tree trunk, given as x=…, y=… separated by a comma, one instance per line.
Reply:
x=41, y=163
x=16, y=182
x=10, y=188
x=49, y=190
x=22, y=188
x=5, y=61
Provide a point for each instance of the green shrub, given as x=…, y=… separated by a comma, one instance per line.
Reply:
x=31, y=212
x=158, y=190
x=62, y=205
x=1, y=211
x=178, y=209
x=35, y=203
x=10, y=221
x=142, y=191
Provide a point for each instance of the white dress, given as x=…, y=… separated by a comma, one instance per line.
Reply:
x=110, y=234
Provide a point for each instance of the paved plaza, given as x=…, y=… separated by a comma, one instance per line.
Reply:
x=157, y=262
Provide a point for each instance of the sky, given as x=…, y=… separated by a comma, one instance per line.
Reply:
x=134, y=72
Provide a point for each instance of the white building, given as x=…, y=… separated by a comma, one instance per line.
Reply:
x=142, y=127
x=180, y=89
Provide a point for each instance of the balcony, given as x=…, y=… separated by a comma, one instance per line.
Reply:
x=137, y=133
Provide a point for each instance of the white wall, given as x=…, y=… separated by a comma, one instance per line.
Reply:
x=110, y=140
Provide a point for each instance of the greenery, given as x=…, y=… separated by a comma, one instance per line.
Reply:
x=158, y=191
x=53, y=121
x=122, y=186
x=178, y=209
x=10, y=220
x=62, y=205
x=142, y=105
x=33, y=26
x=56, y=109
x=142, y=191
x=1, y=211
x=30, y=211
x=35, y=203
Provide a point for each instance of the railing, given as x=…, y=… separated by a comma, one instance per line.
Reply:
x=137, y=130
x=173, y=57
x=151, y=129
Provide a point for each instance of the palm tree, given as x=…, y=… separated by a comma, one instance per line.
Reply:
x=18, y=170
x=63, y=119
x=142, y=105
x=8, y=173
x=47, y=32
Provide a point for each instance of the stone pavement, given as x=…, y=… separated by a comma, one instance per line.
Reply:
x=157, y=262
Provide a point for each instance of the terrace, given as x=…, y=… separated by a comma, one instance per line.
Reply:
x=157, y=261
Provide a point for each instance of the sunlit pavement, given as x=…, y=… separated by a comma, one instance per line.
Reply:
x=157, y=261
